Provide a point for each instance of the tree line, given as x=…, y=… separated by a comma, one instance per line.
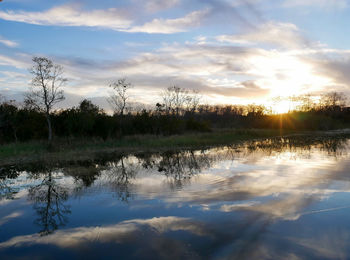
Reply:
x=179, y=110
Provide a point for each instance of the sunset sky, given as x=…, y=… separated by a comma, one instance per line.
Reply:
x=238, y=51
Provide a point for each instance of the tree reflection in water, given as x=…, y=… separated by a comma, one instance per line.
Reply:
x=119, y=175
x=8, y=175
x=48, y=198
x=180, y=167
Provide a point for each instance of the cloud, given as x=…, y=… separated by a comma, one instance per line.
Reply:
x=285, y=35
x=254, y=65
x=124, y=232
x=256, y=175
x=68, y=15
x=247, y=89
x=112, y=18
x=19, y=60
x=212, y=68
x=188, y=66
x=334, y=4
x=8, y=43
x=237, y=206
x=332, y=244
x=168, y=26
x=269, y=187
x=7, y=218
x=160, y=5
x=337, y=68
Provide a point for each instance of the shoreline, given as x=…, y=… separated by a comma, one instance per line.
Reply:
x=65, y=150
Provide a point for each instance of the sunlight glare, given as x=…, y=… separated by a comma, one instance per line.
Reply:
x=282, y=107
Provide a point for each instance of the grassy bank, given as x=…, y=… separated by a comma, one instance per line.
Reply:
x=80, y=149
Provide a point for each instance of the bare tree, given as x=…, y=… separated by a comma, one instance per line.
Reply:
x=192, y=101
x=333, y=100
x=45, y=89
x=167, y=100
x=119, y=97
x=175, y=98
x=305, y=102
x=256, y=110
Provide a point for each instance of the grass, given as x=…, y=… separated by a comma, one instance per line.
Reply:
x=69, y=149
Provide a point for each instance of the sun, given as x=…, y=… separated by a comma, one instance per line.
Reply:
x=281, y=107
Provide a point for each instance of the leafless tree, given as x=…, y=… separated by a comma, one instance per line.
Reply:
x=45, y=90
x=255, y=110
x=333, y=100
x=120, y=95
x=192, y=101
x=174, y=99
x=305, y=102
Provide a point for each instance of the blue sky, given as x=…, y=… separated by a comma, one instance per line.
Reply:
x=232, y=51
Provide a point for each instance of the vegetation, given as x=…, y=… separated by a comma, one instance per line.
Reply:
x=82, y=148
x=89, y=121
x=178, y=113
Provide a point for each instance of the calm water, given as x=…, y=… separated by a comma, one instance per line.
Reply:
x=286, y=199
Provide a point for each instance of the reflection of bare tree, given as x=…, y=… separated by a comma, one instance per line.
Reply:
x=301, y=145
x=49, y=198
x=6, y=190
x=179, y=167
x=119, y=176
x=334, y=147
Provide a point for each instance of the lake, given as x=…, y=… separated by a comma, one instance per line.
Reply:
x=272, y=199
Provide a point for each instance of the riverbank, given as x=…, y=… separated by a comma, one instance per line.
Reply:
x=83, y=149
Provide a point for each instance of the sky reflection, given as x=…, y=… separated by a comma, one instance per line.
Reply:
x=265, y=200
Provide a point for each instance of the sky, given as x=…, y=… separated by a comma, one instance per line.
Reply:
x=231, y=51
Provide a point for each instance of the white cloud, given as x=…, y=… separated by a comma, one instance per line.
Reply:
x=20, y=61
x=172, y=25
x=120, y=233
x=279, y=34
x=223, y=73
x=113, y=18
x=68, y=15
x=254, y=69
x=8, y=43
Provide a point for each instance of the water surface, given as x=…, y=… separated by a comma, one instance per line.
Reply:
x=274, y=199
